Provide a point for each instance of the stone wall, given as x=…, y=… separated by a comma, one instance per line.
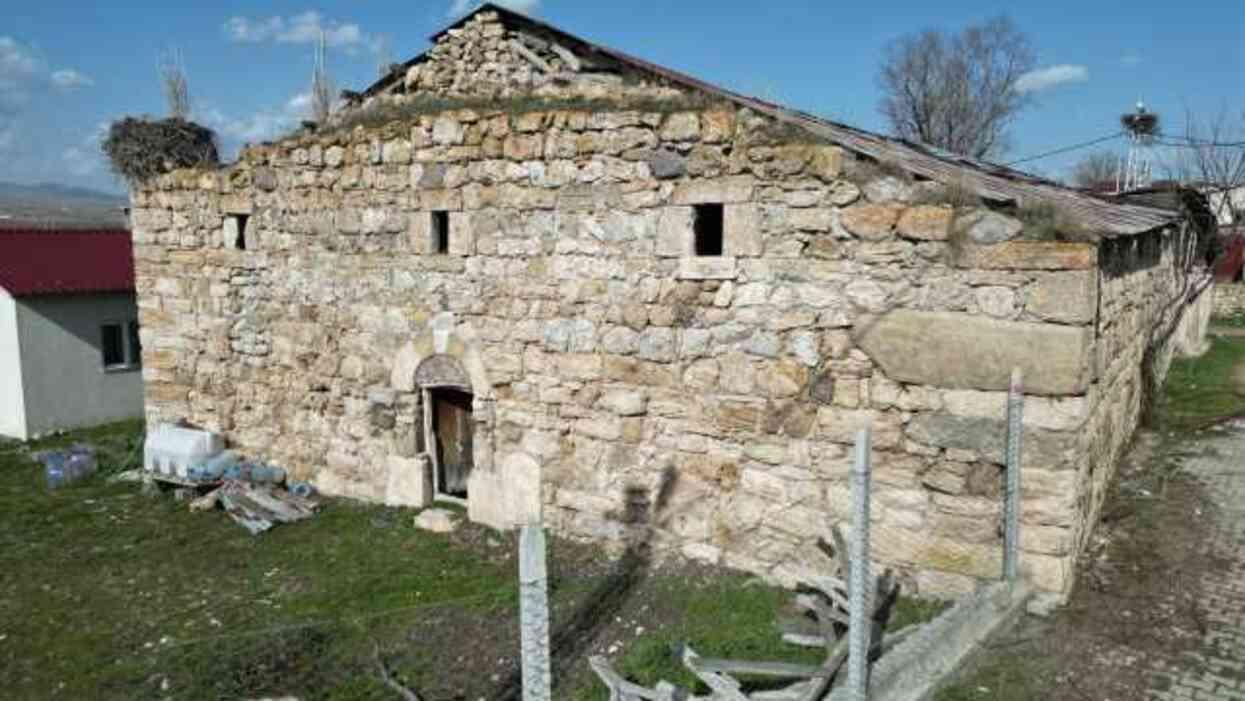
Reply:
x=714, y=398
x=485, y=58
x=1145, y=316
x=1229, y=298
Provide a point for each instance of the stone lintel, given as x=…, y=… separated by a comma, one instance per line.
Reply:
x=707, y=268
x=965, y=351
x=1029, y=255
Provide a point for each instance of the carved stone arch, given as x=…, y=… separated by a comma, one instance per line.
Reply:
x=442, y=337
x=442, y=370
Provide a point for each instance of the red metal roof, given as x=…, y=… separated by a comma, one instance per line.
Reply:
x=1232, y=258
x=49, y=262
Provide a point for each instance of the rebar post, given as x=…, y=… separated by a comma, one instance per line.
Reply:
x=1011, y=506
x=860, y=584
x=534, y=615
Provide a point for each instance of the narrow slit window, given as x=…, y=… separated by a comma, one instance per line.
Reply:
x=112, y=345
x=441, y=232
x=237, y=230
x=708, y=229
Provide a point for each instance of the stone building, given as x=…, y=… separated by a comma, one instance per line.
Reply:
x=552, y=281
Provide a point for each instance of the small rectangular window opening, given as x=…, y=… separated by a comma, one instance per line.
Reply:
x=441, y=232
x=239, y=239
x=707, y=226
x=112, y=345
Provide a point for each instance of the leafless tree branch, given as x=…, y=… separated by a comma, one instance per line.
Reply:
x=172, y=73
x=322, y=88
x=1096, y=169
x=1210, y=158
x=957, y=92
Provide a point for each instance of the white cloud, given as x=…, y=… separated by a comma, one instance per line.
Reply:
x=458, y=8
x=263, y=125
x=79, y=161
x=8, y=134
x=1130, y=60
x=68, y=78
x=17, y=62
x=84, y=158
x=303, y=28
x=1049, y=77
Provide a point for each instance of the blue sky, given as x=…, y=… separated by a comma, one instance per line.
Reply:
x=68, y=69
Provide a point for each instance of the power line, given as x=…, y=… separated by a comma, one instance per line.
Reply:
x=1066, y=149
x=1199, y=143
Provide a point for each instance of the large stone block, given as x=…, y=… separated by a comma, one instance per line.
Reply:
x=1029, y=255
x=742, y=229
x=987, y=438
x=409, y=481
x=962, y=351
x=1064, y=297
x=508, y=497
x=674, y=232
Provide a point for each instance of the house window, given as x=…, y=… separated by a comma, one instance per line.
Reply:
x=441, y=232
x=707, y=227
x=119, y=346
x=112, y=346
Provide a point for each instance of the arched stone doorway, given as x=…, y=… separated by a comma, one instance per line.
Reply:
x=448, y=425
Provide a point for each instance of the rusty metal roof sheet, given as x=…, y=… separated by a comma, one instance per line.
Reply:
x=987, y=180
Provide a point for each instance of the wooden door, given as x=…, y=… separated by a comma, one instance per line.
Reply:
x=451, y=429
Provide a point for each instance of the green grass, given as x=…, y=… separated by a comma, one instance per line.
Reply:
x=1004, y=676
x=1200, y=391
x=95, y=575
x=1234, y=320
x=106, y=592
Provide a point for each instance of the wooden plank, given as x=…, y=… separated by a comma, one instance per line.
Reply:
x=782, y=670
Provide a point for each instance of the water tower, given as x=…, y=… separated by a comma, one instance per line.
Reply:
x=1141, y=128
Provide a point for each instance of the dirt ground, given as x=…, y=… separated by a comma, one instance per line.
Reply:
x=1149, y=610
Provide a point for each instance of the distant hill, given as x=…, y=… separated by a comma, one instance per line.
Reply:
x=55, y=205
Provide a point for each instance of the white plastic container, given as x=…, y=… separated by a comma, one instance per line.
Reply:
x=171, y=450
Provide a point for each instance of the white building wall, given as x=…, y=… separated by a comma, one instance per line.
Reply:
x=65, y=383
x=12, y=410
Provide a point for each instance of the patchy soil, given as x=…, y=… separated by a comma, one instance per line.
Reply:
x=109, y=593
x=1137, y=601
x=1146, y=597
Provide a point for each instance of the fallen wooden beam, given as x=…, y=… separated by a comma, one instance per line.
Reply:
x=781, y=670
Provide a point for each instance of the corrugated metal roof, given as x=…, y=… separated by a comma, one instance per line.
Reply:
x=40, y=262
x=988, y=180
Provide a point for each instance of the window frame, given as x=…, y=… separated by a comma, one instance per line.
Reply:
x=699, y=233
x=439, y=232
x=130, y=349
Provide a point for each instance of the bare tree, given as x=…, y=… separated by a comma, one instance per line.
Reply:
x=1211, y=157
x=958, y=92
x=1096, y=169
x=322, y=89
x=384, y=56
x=172, y=73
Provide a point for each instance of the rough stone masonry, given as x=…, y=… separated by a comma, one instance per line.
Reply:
x=625, y=369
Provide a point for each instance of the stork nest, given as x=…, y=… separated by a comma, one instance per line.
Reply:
x=140, y=148
x=1141, y=123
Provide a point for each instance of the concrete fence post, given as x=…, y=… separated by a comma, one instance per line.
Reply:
x=1011, y=505
x=534, y=615
x=860, y=583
